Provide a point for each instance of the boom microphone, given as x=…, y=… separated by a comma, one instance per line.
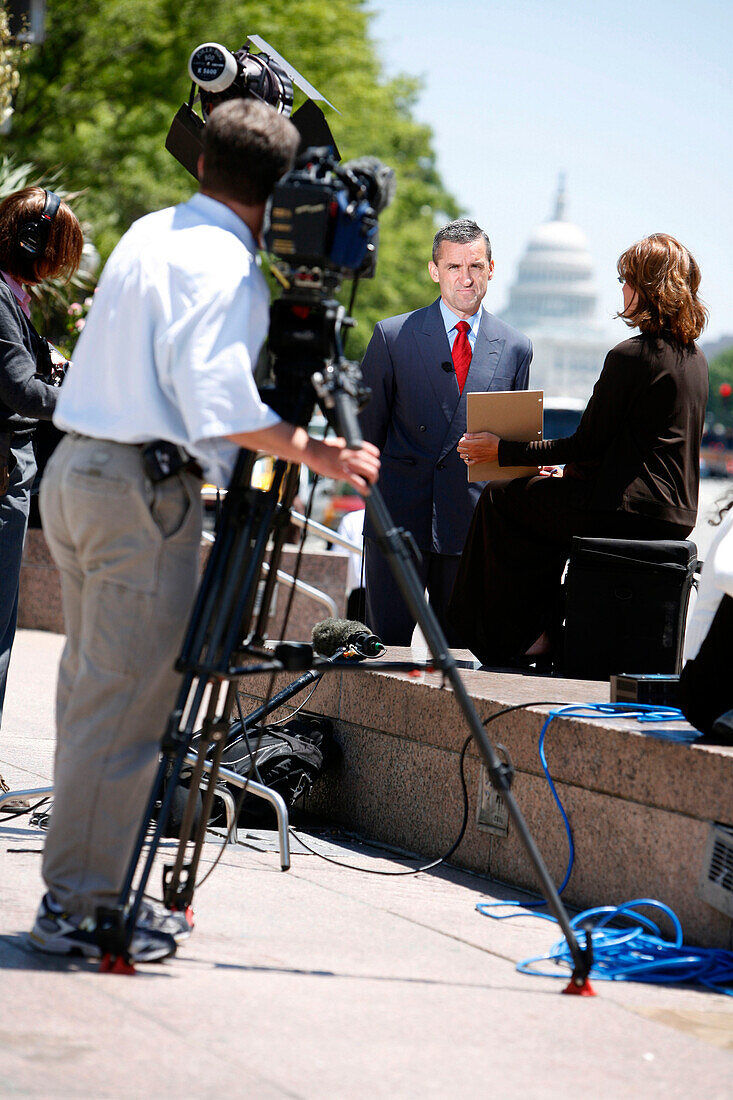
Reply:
x=332, y=634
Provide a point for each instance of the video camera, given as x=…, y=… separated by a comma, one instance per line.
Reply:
x=323, y=214
x=323, y=227
x=323, y=217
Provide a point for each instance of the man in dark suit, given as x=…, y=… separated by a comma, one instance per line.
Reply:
x=419, y=367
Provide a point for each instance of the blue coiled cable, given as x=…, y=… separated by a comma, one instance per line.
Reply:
x=639, y=952
x=636, y=950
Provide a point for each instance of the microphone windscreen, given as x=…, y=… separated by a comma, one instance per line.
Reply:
x=448, y=367
x=330, y=634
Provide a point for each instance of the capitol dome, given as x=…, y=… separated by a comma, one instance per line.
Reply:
x=558, y=235
x=555, y=302
x=555, y=275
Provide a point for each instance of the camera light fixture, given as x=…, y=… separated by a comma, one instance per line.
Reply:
x=213, y=67
x=218, y=74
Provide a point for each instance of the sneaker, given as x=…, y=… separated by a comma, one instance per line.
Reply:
x=58, y=933
x=14, y=803
x=153, y=916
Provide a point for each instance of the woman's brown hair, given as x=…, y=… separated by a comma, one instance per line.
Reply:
x=62, y=253
x=666, y=279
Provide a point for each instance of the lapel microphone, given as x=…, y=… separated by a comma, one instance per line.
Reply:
x=448, y=368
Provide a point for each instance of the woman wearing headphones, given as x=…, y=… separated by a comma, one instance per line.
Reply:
x=632, y=467
x=40, y=238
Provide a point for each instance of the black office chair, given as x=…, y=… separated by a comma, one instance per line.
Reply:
x=625, y=606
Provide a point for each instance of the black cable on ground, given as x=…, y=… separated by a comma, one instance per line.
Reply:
x=464, y=824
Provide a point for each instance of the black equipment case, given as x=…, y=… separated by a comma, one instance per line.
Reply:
x=625, y=608
x=288, y=759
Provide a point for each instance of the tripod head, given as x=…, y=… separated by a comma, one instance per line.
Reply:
x=308, y=366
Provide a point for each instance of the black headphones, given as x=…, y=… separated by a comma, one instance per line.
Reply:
x=33, y=235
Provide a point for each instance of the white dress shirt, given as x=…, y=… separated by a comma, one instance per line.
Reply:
x=351, y=527
x=171, y=341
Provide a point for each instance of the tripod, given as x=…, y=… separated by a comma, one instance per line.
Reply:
x=221, y=636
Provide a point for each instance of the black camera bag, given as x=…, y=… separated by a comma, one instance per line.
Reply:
x=287, y=758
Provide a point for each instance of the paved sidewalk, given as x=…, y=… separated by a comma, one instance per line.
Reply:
x=322, y=983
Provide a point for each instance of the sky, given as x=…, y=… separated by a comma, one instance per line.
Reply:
x=632, y=101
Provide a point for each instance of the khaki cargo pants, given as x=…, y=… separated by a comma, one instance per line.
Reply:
x=128, y=554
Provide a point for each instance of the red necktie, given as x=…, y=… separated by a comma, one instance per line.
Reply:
x=461, y=354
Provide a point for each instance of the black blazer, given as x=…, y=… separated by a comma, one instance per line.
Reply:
x=638, y=442
x=25, y=363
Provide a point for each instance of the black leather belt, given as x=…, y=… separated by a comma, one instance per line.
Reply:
x=161, y=458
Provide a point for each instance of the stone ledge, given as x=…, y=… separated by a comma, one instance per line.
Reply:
x=40, y=607
x=639, y=806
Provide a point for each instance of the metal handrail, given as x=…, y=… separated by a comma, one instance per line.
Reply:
x=259, y=791
x=288, y=581
x=305, y=589
x=297, y=520
x=325, y=533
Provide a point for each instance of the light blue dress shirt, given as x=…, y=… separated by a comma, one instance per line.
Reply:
x=450, y=321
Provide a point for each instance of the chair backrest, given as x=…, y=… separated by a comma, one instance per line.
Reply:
x=625, y=608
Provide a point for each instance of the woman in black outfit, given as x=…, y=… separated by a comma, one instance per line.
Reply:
x=40, y=238
x=632, y=467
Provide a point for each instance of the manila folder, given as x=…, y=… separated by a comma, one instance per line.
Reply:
x=512, y=414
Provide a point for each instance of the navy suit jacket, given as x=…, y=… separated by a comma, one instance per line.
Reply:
x=416, y=417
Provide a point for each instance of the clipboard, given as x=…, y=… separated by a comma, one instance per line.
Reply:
x=512, y=414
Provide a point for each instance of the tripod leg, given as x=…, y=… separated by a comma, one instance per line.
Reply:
x=179, y=884
x=290, y=489
x=172, y=876
x=180, y=881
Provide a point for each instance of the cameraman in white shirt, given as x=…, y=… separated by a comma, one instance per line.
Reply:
x=167, y=354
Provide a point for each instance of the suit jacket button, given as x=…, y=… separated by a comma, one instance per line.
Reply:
x=422, y=428
x=441, y=465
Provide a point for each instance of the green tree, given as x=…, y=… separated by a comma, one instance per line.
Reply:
x=9, y=58
x=98, y=96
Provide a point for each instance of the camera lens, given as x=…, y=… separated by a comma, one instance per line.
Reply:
x=212, y=67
